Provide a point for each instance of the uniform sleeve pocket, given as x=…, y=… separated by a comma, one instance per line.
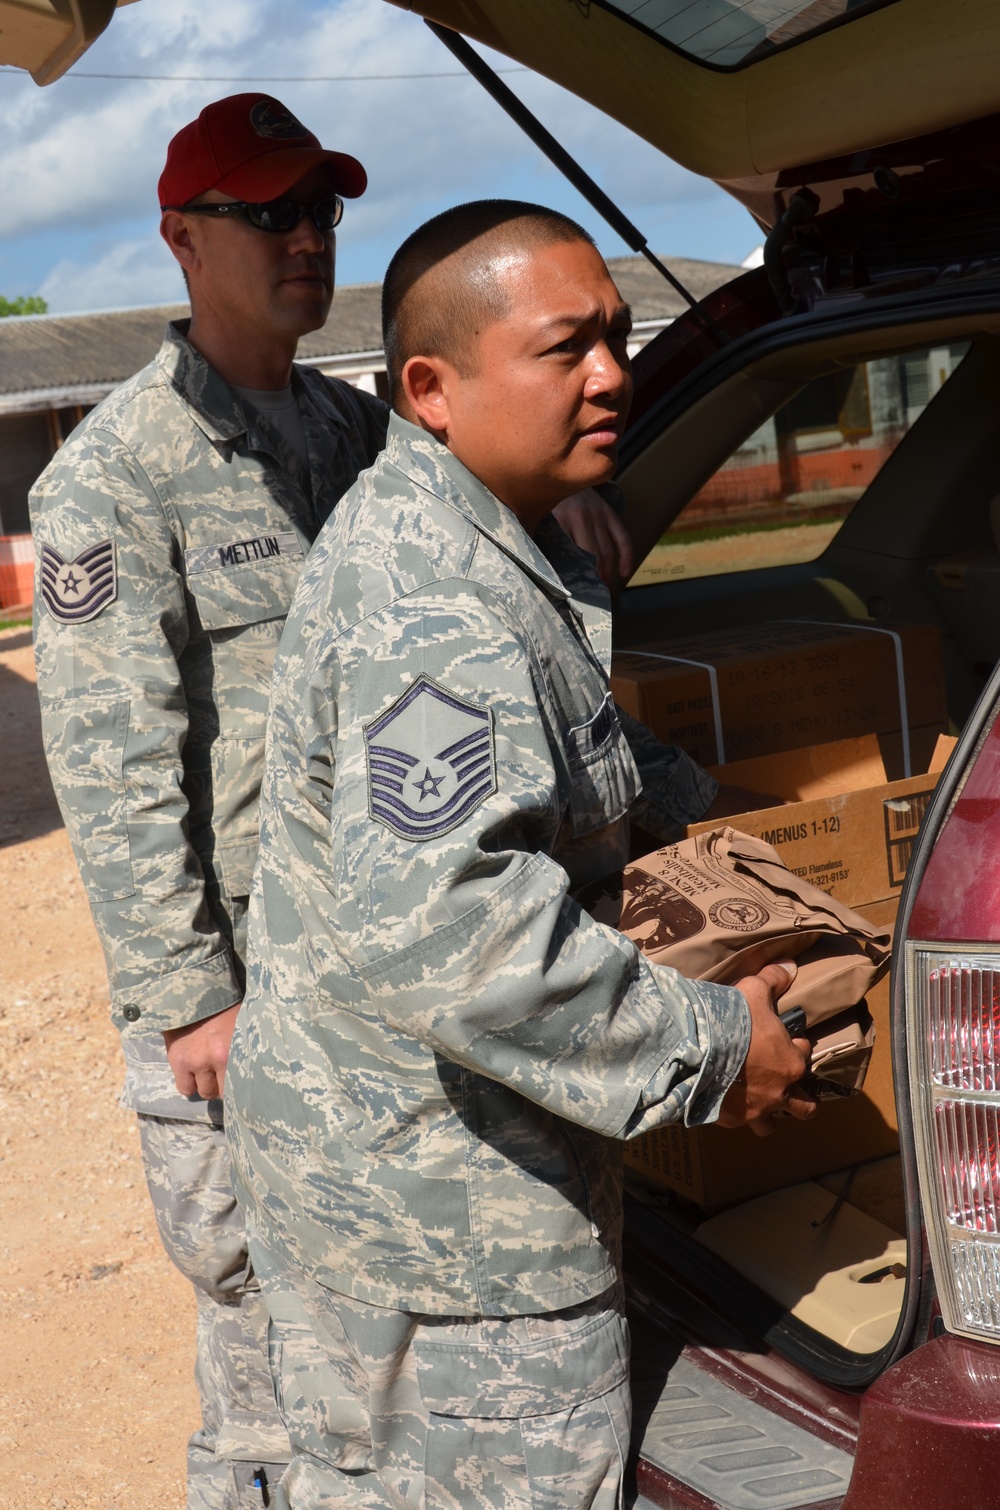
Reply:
x=604, y=778
x=86, y=751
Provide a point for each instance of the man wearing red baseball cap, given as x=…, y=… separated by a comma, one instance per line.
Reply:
x=170, y=532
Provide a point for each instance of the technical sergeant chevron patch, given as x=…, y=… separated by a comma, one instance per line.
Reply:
x=77, y=591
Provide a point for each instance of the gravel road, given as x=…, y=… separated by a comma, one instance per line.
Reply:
x=96, y=1397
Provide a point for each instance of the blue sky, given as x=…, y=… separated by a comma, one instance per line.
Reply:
x=82, y=156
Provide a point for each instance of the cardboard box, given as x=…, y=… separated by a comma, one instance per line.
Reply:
x=784, y=686
x=856, y=844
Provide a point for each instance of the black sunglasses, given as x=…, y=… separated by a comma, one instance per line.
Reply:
x=274, y=214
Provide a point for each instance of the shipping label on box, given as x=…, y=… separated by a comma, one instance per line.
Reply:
x=734, y=694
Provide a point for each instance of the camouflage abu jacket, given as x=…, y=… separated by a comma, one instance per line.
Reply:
x=437, y=1045
x=170, y=531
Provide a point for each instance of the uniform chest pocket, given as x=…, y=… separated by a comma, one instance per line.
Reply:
x=244, y=582
x=604, y=780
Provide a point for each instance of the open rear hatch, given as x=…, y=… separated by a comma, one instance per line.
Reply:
x=862, y=135
x=739, y=90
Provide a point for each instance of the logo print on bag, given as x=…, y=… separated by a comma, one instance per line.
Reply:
x=653, y=913
x=738, y=914
x=77, y=591
x=269, y=119
x=431, y=761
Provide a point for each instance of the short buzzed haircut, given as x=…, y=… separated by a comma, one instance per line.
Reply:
x=428, y=315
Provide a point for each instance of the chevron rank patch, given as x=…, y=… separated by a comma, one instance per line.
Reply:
x=76, y=591
x=431, y=761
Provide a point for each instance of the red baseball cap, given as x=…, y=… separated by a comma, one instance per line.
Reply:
x=251, y=147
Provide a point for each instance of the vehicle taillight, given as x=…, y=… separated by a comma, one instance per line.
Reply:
x=953, y=1038
x=952, y=1007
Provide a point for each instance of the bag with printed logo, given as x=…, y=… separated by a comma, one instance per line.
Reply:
x=723, y=905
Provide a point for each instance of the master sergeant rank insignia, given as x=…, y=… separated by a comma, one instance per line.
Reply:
x=431, y=761
x=75, y=591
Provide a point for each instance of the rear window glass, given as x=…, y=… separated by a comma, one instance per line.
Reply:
x=781, y=498
x=728, y=33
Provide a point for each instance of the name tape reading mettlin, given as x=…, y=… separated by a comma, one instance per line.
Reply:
x=202, y=558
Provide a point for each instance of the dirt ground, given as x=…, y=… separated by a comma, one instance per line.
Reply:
x=96, y=1396
x=752, y=550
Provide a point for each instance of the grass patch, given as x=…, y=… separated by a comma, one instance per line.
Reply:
x=729, y=531
x=15, y=623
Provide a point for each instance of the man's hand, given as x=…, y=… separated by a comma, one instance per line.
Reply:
x=774, y=1062
x=739, y=799
x=594, y=526
x=198, y=1054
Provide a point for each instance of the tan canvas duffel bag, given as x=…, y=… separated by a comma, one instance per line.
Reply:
x=723, y=905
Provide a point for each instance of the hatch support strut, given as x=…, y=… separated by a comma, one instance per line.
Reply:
x=560, y=158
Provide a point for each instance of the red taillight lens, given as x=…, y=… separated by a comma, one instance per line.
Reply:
x=967, y=1140
x=964, y=1026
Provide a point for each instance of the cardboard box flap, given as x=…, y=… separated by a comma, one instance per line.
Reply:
x=943, y=752
x=847, y=765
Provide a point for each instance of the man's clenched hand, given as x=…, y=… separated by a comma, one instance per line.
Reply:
x=593, y=525
x=774, y=1062
x=197, y=1054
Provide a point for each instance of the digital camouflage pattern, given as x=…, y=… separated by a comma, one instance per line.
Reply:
x=390, y=1409
x=437, y=1043
x=675, y=790
x=153, y=711
x=190, y=1184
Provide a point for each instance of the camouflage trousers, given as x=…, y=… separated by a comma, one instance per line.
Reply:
x=241, y=1447
x=389, y=1409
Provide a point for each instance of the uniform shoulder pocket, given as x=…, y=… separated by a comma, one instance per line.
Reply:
x=605, y=781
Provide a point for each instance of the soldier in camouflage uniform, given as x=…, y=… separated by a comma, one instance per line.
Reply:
x=438, y=1049
x=170, y=533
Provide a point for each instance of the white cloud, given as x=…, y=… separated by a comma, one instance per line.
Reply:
x=129, y=273
x=83, y=156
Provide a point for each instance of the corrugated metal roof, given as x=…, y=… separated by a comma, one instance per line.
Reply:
x=63, y=352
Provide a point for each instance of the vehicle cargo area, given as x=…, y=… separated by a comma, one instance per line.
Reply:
x=833, y=682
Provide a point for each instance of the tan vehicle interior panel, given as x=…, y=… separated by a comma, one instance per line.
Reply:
x=830, y=94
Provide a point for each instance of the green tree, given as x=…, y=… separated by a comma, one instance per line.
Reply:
x=23, y=305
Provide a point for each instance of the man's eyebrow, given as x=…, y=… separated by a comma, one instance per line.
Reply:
x=622, y=313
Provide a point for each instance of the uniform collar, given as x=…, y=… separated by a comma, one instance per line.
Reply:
x=217, y=410
x=429, y=464
x=215, y=407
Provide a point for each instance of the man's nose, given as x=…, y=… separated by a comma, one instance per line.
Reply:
x=306, y=238
x=610, y=372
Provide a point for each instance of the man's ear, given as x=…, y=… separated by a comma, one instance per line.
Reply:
x=176, y=233
x=427, y=383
